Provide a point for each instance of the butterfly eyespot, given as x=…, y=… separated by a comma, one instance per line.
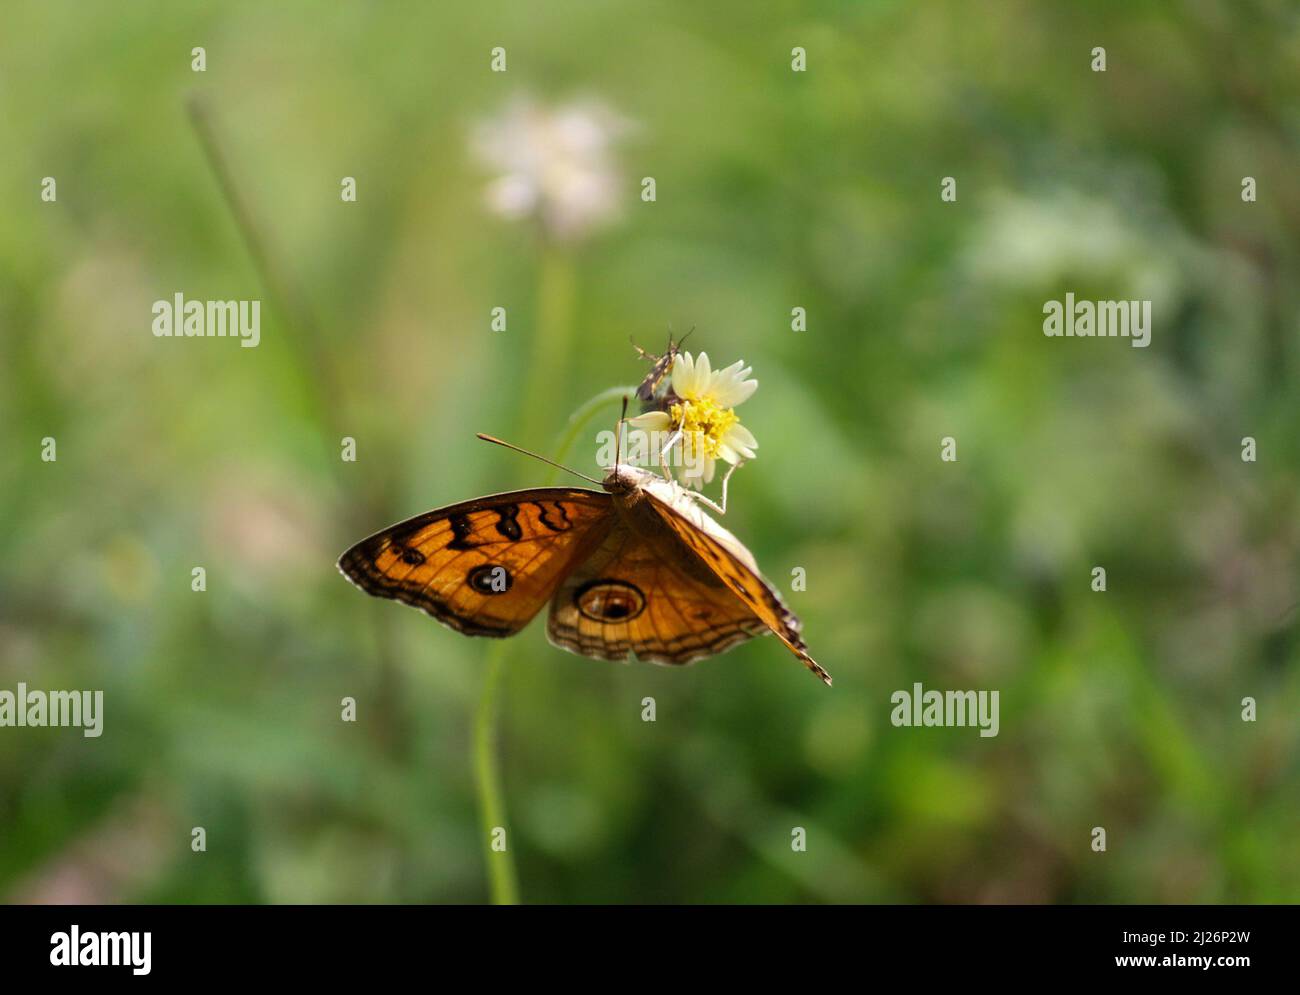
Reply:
x=410, y=556
x=490, y=578
x=609, y=600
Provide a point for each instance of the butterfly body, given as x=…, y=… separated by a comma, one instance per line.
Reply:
x=637, y=568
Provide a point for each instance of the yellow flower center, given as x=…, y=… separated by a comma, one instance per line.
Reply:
x=703, y=419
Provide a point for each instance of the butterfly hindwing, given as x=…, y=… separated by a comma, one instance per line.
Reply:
x=634, y=596
x=483, y=567
x=728, y=559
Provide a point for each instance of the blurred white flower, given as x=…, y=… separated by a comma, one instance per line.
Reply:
x=702, y=405
x=555, y=164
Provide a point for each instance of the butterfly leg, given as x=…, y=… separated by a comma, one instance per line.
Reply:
x=721, y=509
x=663, y=452
x=726, y=478
x=709, y=501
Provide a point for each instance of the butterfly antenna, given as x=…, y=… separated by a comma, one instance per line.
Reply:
x=618, y=438
x=558, y=466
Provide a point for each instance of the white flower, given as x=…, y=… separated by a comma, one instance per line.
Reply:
x=702, y=404
x=554, y=164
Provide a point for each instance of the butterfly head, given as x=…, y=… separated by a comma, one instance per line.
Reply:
x=623, y=478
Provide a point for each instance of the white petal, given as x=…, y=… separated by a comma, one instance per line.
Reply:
x=743, y=454
x=683, y=373
x=723, y=383
x=710, y=467
x=728, y=454
x=735, y=393
x=652, y=421
x=512, y=196
x=703, y=376
x=740, y=437
x=731, y=372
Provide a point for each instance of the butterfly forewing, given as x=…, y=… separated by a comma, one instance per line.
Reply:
x=484, y=567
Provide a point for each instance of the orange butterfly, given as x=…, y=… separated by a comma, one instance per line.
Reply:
x=636, y=568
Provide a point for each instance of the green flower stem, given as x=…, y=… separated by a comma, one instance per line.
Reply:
x=581, y=418
x=555, y=297
x=302, y=334
x=503, y=882
x=549, y=361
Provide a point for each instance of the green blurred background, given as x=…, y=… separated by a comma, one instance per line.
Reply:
x=775, y=189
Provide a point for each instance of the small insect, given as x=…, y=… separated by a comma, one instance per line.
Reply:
x=634, y=568
x=663, y=365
